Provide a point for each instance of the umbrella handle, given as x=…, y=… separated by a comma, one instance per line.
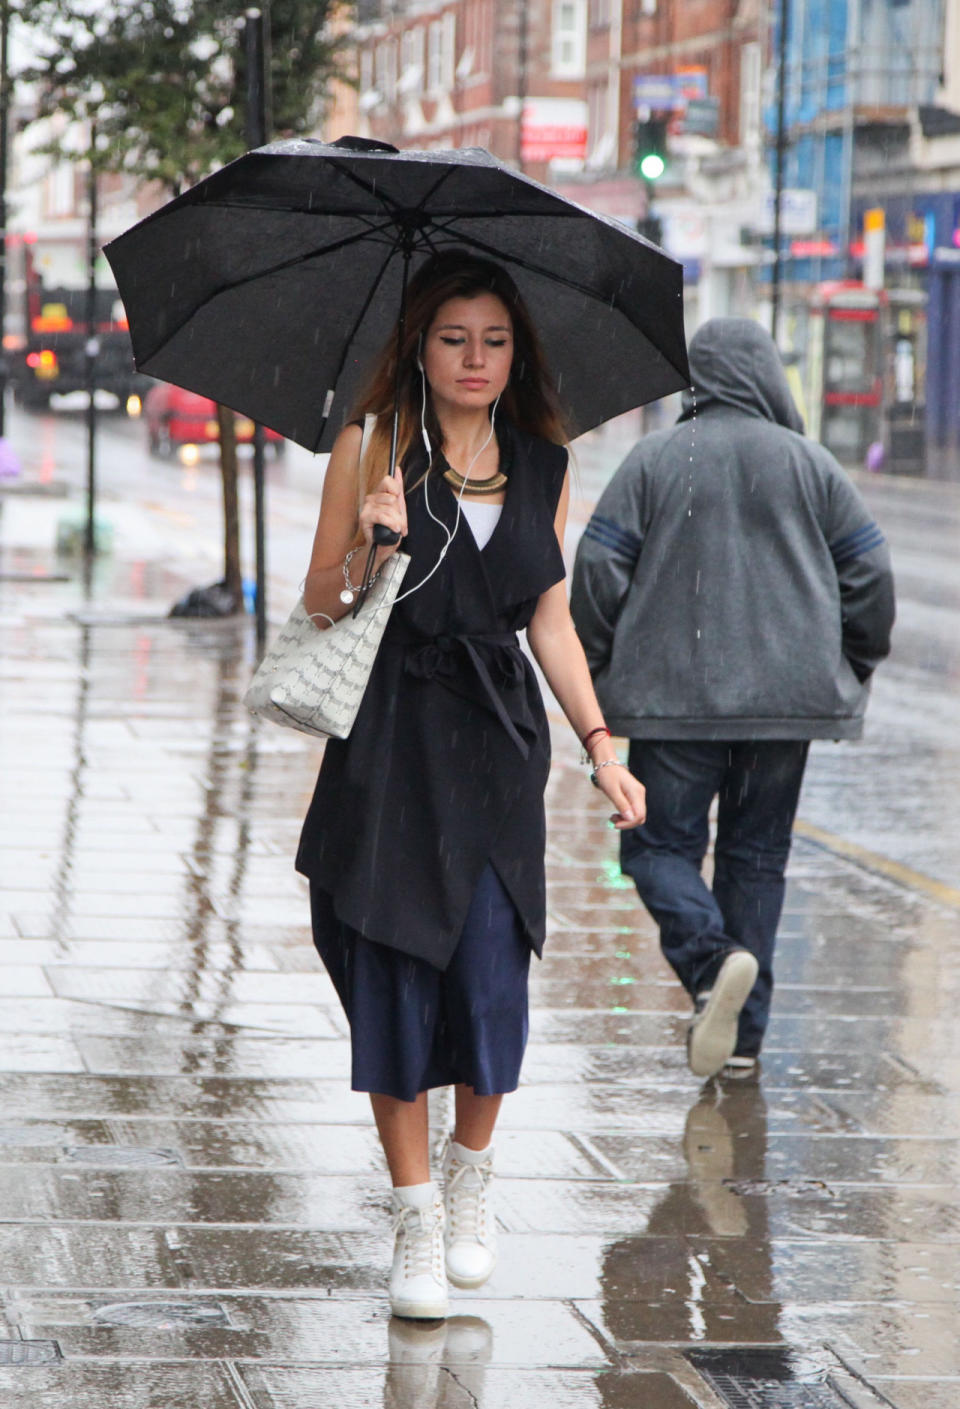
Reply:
x=382, y=534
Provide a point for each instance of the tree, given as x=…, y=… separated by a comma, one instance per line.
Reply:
x=168, y=76
x=165, y=83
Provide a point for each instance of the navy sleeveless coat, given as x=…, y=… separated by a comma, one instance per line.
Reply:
x=446, y=765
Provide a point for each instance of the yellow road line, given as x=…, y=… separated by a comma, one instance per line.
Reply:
x=873, y=861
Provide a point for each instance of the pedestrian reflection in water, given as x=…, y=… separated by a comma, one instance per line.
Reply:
x=437, y=1364
x=707, y=1238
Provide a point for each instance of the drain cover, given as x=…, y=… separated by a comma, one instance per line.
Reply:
x=763, y=1379
x=29, y=1352
x=162, y=1314
x=119, y=1156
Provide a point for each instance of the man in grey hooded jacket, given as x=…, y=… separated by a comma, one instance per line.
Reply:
x=733, y=596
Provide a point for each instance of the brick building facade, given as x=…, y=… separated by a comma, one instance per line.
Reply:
x=502, y=74
x=556, y=86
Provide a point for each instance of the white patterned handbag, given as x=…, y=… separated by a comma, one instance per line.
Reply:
x=312, y=679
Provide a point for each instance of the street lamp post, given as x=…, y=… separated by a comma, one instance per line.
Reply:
x=256, y=133
x=92, y=347
x=780, y=153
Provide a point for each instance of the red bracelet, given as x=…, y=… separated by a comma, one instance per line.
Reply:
x=600, y=729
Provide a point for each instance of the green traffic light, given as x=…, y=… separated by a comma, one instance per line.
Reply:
x=652, y=165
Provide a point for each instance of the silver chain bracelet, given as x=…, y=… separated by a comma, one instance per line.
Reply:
x=349, y=590
x=608, y=763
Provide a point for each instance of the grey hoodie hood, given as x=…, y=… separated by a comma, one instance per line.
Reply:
x=734, y=362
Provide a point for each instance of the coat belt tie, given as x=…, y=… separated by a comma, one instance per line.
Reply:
x=435, y=657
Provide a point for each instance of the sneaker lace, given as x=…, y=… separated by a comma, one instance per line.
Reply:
x=467, y=1199
x=421, y=1230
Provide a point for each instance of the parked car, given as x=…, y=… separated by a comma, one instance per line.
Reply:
x=175, y=417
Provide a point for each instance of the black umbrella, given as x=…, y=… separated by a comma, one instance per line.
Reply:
x=271, y=285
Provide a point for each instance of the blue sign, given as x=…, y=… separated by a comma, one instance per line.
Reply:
x=669, y=92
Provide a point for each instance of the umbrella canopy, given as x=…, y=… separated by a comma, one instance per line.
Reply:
x=272, y=285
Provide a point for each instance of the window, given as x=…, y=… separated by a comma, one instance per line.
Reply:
x=569, y=38
x=475, y=58
x=484, y=62
x=366, y=70
x=598, y=99
x=434, y=56
x=61, y=189
x=449, y=48
x=387, y=70
x=412, y=48
x=440, y=53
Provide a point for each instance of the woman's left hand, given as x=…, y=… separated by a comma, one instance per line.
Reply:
x=627, y=794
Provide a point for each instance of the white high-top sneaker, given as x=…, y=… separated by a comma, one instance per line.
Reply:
x=418, y=1284
x=470, y=1234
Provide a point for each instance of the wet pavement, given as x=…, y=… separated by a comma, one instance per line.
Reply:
x=194, y=1208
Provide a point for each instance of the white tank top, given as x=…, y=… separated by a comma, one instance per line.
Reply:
x=481, y=518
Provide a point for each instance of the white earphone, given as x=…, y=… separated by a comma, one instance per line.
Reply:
x=449, y=532
x=423, y=414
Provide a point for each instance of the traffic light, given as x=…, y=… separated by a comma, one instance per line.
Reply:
x=650, y=147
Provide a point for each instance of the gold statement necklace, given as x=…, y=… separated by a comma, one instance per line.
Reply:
x=493, y=485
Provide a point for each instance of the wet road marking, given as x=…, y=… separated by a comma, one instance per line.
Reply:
x=883, y=865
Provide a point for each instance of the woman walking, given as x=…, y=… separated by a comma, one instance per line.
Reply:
x=424, y=842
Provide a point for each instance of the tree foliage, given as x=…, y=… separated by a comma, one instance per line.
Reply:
x=165, y=79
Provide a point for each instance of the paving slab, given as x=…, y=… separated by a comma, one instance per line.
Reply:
x=122, y=1386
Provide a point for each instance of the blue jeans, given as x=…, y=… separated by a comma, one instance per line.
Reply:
x=757, y=785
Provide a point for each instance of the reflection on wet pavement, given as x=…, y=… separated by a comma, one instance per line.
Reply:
x=195, y=1211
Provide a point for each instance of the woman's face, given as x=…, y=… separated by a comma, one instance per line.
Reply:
x=468, y=352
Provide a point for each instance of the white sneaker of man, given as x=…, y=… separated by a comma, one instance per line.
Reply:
x=418, y=1283
x=470, y=1234
x=712, y=1036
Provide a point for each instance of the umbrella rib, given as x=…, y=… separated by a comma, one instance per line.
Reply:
x=373, y=223
x=542, y=272
x=389, y=202
x=347, y=342
x=428, y=195
x=302, y=258
x=521, y=263
x=386, y=200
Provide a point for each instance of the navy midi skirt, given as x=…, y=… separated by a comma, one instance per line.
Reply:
x=413, y=1027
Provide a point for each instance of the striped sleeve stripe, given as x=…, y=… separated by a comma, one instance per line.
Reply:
x=631, y=542
x=853, y=545
x=849, y=538
x=598, y=535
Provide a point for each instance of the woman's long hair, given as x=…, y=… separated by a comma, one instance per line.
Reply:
x=529, y=399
